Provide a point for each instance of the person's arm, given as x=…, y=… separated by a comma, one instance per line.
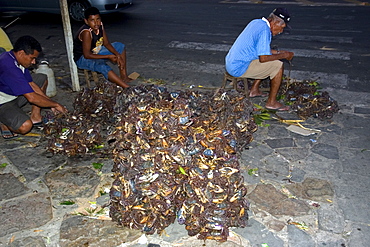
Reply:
x=86, y=48
x=276, y=55
x=108, y=45
x=118, y=57
x=40, y=99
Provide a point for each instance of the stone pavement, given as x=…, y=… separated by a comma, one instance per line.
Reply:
x=304, y=190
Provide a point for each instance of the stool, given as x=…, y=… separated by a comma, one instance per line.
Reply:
x=234, y=81
x=87, y=77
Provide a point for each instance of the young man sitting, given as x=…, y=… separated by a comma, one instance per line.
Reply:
x=92, y=50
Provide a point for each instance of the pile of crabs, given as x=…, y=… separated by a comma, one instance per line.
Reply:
x=307, y=100
x=175, y=154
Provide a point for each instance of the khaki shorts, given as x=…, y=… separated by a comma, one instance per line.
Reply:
x=258, y=70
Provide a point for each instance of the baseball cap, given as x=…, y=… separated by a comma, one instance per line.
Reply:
x=282, y=13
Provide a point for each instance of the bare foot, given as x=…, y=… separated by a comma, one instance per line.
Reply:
x=127, y=80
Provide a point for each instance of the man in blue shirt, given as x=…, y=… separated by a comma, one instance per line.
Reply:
x=251, y=56
x=17, y=88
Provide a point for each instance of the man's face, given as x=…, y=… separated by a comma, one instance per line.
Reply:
x=26, y=60
x=276, y=28
x=94, y=22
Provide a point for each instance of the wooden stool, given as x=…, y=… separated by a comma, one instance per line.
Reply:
x=87, y=77
x=234, y=81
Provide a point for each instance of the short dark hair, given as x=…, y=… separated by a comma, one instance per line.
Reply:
x=91, y=11
x=28, y=44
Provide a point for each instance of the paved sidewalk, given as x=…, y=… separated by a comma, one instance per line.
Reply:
x=307, y=191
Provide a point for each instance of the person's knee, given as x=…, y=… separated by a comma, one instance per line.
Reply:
x=40, y=79
x=25, y=127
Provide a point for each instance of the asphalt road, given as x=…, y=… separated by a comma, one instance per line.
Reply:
x=186, y=41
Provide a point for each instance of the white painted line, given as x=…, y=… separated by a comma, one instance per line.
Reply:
x=320, y=54
x=331, y=39
x=301, y=30
x=186, y=66
x=330, y=80
x=330, y=31
x=291, y=3
x=199, y=46
x=226, y=48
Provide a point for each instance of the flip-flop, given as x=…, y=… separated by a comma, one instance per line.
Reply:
x=38, y=124
x=41, y=123
x=282, y=108
x=7, y=134
x=258, y=96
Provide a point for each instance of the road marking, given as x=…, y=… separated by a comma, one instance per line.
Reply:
x=199, y=46
x=299, y=2
x=331, y=80
x=305, y=2
x=330, y=31
x=358, y=2
x=320, y=54
x=331, y=39
x=303, y=30
x=226, y=48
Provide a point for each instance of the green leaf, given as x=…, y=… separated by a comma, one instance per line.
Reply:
x=68, y=202
x=182, y=170
x=3, y=165
x=257, y=120
x=98, y=146
x=314, y=83
x=258, y=106
x=64, y=130
x=252, y=172
x=265, y=116
x=281, y=97
x=98, y=166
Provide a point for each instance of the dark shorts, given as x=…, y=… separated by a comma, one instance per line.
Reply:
x=11, y=113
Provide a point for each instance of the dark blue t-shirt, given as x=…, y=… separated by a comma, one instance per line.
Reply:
x=14, y=78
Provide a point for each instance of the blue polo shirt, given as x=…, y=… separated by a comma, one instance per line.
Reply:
x=14, y=78
x=253, y=42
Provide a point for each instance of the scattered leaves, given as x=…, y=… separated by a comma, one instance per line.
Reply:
x=92, y=212
x=98, y=166
x=260, y=117
x=300, y=225
x=68, y=202
x=253, y=171
x=182, y=170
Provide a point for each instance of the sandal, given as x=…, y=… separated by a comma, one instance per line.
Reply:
x=6, y=133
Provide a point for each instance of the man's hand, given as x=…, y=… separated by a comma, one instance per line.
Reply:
x=59, y=108
x=288, y=55
x=120, y=62
x=113, y=58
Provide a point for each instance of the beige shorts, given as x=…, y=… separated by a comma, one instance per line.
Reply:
x=258, y=70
